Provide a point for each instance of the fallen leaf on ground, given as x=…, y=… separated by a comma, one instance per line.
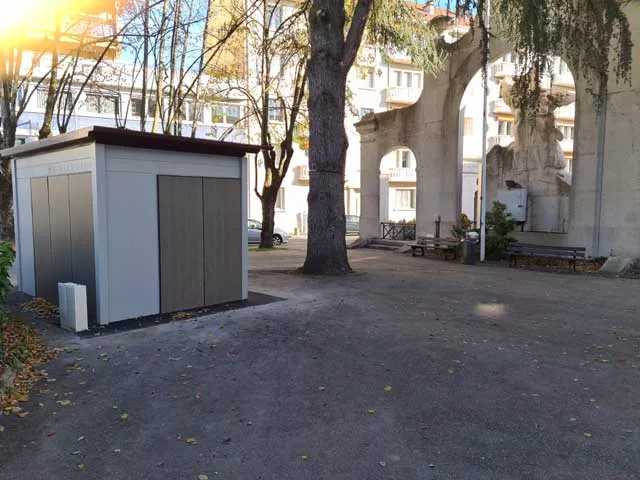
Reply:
x=387, y=389
x=371, y=411
x=588, y=435
x=124, y=416
x=191, y=441
x=64, y=403
x=202, y=477
x=1, y=428
x=81, y=466
x=304, y=457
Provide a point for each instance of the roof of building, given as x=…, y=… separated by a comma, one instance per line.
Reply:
x=130, y=138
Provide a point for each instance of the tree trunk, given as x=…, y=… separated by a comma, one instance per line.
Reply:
x=6, y=185
x=52, y=93
x=145, y=66
x=268, y=200
x=326, y=243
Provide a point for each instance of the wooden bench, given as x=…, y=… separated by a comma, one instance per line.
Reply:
x=446, y=246
x=572, y=254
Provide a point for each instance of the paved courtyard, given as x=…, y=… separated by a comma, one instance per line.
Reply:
x=494, y=373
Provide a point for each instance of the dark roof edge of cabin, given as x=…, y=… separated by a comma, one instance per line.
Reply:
x=130, y=138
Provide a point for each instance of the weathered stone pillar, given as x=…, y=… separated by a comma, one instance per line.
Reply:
x=369, y=180
x=437, y=183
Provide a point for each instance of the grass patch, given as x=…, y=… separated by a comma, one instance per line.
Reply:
x=256, y=248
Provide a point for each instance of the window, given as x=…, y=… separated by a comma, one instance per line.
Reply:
x=405, y=199
x=567, y=131
x=275, y=110
x=403, y=159
x=468, y=126
x=274, y=16
x=93, y=103
x=136, y=107
x=280, y=200
x=365, y=111
x=417, y=80
x=109, y=104
x=369, y=80
x=505, y=128
x=64, y=101
x=408, y=79
x=217, y=113
x=398, y=78
x=233, y=113
x=228, y=113
x=105, y=104
x=41, y=98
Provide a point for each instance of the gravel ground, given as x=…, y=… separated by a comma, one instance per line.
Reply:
x=410, y=368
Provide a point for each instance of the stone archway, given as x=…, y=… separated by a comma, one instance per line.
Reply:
x=605, y=198
x=430, y=129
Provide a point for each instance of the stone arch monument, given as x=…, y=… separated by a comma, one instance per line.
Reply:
x=604, y=204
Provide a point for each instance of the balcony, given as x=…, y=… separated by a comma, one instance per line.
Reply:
x=564, y=80
x=402, y=95
x=567, y=145
x=402, y=175
x=500, y=106
x=301, y=174
x=503, y=69
x=502, y=140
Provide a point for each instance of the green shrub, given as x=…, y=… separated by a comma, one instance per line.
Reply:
x=500, y=225
x=7, y=256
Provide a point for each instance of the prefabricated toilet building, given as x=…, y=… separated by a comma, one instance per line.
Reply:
x=148, y=223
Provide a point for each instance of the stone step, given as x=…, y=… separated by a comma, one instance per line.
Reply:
x=391, y=243
x=379, y=246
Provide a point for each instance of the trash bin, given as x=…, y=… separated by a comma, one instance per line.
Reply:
x=470, y=248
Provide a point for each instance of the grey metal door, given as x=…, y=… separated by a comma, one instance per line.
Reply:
x=181, y=232
x=62, y=220
x=222, y=240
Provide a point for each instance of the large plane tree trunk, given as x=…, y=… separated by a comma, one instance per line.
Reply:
x=331, y=58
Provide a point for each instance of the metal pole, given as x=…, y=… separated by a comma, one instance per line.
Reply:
x=602, y=136
x=485, y=122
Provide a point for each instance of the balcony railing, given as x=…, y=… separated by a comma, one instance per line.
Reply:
x=564, y=79
x=402, y=175
x=567, y=145
x=301, y=173
x=502, y=140
x=500, y=106
x=403, y=95
x=398, y=231
x=504, y=69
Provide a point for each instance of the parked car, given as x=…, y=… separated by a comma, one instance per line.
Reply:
x=353, y=224
x=280, y=237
